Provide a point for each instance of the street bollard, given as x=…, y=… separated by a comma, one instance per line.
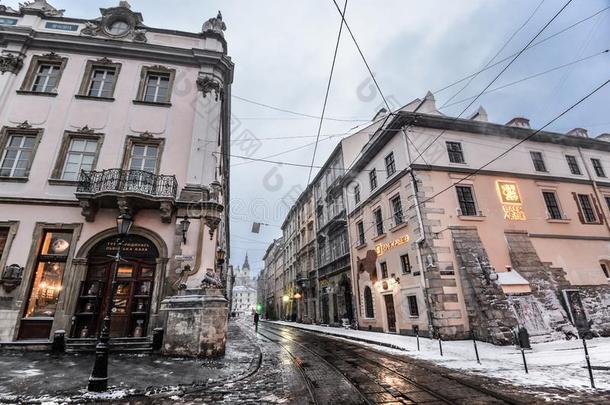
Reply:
x=416, y=331
x=440, y=344
x=524, y=362
x=584, y=345
x=417, y=337
x=476, y=351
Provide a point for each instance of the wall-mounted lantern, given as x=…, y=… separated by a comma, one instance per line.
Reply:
x=220, y=256
x=184, y=227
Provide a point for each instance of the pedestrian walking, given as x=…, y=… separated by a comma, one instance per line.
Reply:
x=256, y=321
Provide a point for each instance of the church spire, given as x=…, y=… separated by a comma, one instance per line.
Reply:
x=246, y=264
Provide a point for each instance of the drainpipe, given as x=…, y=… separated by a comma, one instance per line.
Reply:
x=421, y=239
x=595, y=190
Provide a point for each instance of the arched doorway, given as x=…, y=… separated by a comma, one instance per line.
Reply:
x=132, y=300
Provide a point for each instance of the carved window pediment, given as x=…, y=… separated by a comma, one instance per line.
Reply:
x=118, y=23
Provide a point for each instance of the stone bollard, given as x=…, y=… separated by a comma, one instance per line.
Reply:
x=157, y=339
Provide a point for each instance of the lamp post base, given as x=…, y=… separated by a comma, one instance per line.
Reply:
x=98, y=381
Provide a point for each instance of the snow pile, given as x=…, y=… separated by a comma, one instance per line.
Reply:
x=552, y=364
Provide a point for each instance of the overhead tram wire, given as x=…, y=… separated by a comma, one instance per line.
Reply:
x=497, y=76
x=496, y=55
x=435, y=91
x=329, y=136
x=528, y=48
x=501, y=155
x=330, y=79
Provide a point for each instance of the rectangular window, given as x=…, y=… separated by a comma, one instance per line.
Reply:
x=573, y=164
x=101, y=83
x=456, y=154
x=357, y=193
x=587, y=208
x=3, y=238
x=413, y=309
x=605, y=269
x=47, y=78
x=17, y=155
x=552, y=205
x=384, y=269
x=81, y=156
x=360, y=229
x=144, y=157
x=373, y=179
x=390, y=165
x=465, y=195
x=157, y=88
x=397, y=210
x=378, y=221
x=405, y=264
x=48, y=276
x=597, y=166
x=538, y=161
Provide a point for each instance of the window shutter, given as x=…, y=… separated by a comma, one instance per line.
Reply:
x=581, y=217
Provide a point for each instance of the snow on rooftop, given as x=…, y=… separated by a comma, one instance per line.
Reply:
x=511, y=278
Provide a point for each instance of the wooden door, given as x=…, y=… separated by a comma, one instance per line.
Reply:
x=389, y=306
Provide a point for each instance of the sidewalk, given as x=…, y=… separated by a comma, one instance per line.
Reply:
x=554, y=364
x=44, y=377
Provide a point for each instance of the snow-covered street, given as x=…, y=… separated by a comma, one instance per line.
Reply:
x=552, y=364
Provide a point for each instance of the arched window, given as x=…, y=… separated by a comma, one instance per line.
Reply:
x=368, y=303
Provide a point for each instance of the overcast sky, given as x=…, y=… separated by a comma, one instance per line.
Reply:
x=283, y=51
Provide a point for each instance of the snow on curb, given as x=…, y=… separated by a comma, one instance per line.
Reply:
x=552, y=364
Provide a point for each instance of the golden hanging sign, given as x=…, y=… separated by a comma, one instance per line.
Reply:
x=511, y=201
x=384, y=247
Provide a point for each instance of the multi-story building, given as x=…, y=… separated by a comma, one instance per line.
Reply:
x=292, y=240
x=274, y=280
x=462, y=226
x=102, y=117
x=244, y=290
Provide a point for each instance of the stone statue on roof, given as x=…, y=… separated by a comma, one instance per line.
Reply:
x=41, y=6
x=215, y=25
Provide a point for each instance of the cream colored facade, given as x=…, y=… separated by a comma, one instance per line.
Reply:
x=543, y=229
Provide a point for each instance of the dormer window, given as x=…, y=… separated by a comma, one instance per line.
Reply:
x=119, y=28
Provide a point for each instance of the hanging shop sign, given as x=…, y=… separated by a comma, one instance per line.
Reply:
x=511, y=201
x=384, y=247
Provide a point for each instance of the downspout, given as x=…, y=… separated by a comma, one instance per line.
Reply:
x=421, y=239
x=595, y=190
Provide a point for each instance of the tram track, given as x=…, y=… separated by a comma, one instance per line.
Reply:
x=353, y=350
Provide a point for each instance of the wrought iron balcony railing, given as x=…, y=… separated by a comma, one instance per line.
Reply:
x=128, y=181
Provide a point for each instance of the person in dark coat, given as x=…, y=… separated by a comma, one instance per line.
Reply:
x=256, y=320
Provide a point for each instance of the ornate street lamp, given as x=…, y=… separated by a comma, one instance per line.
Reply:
x=98, y=381
x=220, y=256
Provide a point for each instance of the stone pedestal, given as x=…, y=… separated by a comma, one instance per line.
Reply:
x=196, y=323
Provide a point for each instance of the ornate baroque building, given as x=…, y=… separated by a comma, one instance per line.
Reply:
x=101, y=117
x=244, y=290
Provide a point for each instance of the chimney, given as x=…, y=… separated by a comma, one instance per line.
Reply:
x=519, y=122
x=480, y=115
x=580, y=132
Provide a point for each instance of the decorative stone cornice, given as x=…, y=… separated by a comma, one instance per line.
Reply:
x=206, y=84
x=40, y=6
x=10, y=63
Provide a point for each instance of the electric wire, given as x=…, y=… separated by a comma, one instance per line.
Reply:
x=330, y=79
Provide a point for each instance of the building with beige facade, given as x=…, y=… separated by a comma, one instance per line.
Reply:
x=274, y=281
x=446, y=242
x=101, y=117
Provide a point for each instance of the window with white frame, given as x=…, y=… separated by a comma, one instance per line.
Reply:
x=101, y=83
x=144, y=157
x=397, y=210
x=586, y=208
x=47, y=78
x=17, y=155
x=157, y=88
x=81, y=155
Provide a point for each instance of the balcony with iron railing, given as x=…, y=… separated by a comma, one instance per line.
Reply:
x=127, y=190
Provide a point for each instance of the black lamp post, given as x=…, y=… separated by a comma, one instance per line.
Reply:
x=98, y=381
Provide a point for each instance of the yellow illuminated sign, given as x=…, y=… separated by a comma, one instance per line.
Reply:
x=384, y=247
x=511, y=201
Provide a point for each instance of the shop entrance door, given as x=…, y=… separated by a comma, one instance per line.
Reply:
x=389, y=307
x=131, y=299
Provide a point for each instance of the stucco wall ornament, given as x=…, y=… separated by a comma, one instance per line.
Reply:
x=41, y=6
x=207, y=84
x=10, y=63
x=118, y=23
x=215, y=25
